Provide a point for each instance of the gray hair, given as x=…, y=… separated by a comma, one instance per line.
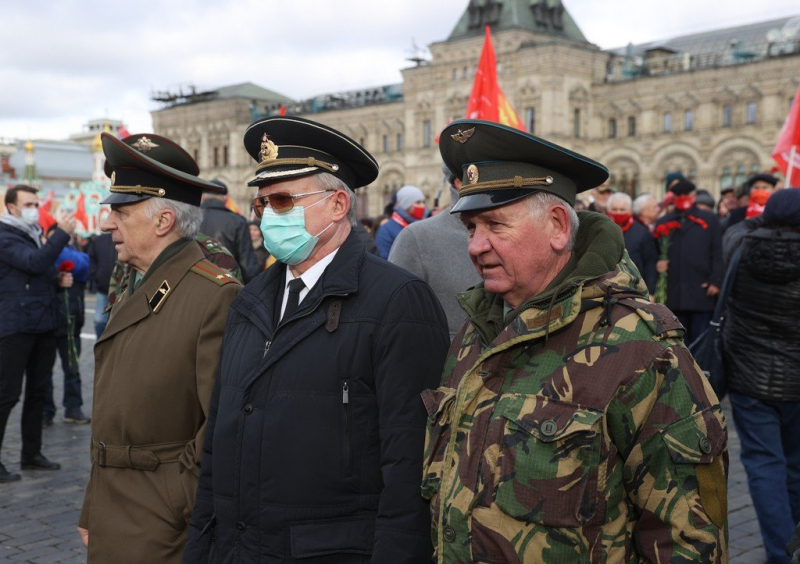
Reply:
x=187, y=217
x=640, y=203
x=327, y=181
x=542, y=202
x=618, y=197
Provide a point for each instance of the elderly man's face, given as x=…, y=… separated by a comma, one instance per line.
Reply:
x=134, y=235
x=619, y=206
x=511, y=249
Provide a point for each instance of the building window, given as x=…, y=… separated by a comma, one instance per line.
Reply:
x=455, y=73
x=530, y=120
x=196, y=156
x=631, y=126
x=399, y=141
x=385, y=143
x=216, y=156
x=667, y=122
x=727, y=115
x=426, y=133
x=726, y=179
x=612, y=128
x=751, y=113
x=688, y=120
x=576, y=123
x=224, y=155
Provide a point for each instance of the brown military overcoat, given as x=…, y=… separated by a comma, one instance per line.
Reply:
x=154, y=370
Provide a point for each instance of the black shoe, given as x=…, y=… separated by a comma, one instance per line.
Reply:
x=47, y=421
x=6, y=476
x=39, y=462
x=76, y=416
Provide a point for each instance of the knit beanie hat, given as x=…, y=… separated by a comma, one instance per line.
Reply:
x=783, y=208
x=407, y=195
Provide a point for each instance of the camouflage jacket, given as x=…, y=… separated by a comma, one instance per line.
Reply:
x=212, y=249
x=583, y=431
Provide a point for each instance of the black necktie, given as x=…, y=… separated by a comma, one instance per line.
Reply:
x=295, y=287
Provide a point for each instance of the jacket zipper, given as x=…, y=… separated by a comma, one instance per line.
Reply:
x=346, y=419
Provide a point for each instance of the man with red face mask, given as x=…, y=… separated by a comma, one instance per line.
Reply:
x=694, y=263
x=637, y=237
x=410, y=207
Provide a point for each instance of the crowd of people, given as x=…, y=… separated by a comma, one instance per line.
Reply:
x=505, y=379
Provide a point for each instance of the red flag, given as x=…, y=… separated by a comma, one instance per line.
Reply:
x=787, y=149
x=231, y=205
x=282, y=111
x=487, y=101
x=45, y=219
x=47, y=202
x=123, y=132
x=80, y=212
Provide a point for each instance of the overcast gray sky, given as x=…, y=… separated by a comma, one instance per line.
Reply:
x=63, y=63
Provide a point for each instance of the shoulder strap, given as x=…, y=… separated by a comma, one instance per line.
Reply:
x=211, y=271
x=727, y=283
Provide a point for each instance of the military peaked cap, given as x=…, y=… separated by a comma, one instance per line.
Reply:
x=147, y=165
x=289, y=147
x=498, y=165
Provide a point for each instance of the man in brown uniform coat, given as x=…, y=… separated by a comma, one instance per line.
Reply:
x=156, y=361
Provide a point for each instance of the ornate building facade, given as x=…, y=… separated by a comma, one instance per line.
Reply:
x=710, y=105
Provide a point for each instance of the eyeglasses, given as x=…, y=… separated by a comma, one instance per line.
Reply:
x=281, y=202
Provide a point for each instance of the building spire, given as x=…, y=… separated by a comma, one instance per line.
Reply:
x=30, y=175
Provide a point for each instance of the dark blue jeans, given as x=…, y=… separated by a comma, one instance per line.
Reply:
x=73, y=398
x=770, y=435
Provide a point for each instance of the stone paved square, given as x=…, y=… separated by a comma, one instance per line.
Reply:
x=39, y=514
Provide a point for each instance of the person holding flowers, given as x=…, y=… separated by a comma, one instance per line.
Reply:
x=690, y=260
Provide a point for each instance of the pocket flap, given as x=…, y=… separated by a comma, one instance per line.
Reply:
x=547, y=419
x=354, y=535
x=696, y=439
x=438, y=404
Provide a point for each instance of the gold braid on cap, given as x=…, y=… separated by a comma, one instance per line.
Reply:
x=516, y=182
x=139, y=190
x=308, y=161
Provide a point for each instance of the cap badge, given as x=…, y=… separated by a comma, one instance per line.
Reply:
x=472, y=174
x=463, y=136
x=269, y=150
x=144, y=144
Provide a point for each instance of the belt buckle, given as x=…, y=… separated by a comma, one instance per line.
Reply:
x=101, y=459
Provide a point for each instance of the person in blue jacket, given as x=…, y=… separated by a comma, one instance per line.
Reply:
x=410, y=207
x=70, y=318
x=28, y=281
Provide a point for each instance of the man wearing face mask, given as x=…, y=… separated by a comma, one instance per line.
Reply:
x=694, y=264
x=316, y=430
x=410, y=208
x=28, y=281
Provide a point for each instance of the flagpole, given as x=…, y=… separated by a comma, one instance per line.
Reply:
x=790, y=169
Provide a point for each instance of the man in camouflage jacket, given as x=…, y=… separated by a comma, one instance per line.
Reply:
x=572, y=424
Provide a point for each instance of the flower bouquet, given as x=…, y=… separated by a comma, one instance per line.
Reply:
x=663, y=234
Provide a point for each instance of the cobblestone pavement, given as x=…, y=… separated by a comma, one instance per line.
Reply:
x=38, y=514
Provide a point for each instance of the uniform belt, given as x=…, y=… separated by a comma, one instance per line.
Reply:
x=145, y=457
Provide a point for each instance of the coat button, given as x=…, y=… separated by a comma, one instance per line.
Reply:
x=449, y=533
x=248, y=408
x=240, y=526
x=705, y=445
x=548, y=428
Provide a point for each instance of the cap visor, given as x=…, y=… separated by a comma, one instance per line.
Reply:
x=122, y=199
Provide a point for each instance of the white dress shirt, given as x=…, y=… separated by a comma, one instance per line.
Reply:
x=310, y=277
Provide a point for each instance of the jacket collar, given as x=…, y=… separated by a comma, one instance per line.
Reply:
x=132, y=309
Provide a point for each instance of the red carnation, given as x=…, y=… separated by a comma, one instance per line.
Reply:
x=66, y=266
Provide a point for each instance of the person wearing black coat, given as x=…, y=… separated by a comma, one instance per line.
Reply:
x=315, y=436
x=694, y=264
x=639, y=241
x=102, y=258
x=762, y=352
x=28, y=282
x=230, y=229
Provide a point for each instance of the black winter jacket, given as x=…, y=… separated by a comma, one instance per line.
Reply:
x=643, y=252
x=313, y=451
x=230, y=229
x=28, y=281
x=762, y=336
x=695, y=258
x=102, y=258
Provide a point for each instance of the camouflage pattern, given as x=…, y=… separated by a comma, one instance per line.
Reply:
x=212, y=249
x=581, y=432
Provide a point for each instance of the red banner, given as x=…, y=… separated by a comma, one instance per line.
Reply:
x=787, y=149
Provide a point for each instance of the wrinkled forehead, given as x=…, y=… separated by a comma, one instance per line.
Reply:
x=26, y=197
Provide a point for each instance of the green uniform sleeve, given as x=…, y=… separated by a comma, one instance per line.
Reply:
x=669, y=429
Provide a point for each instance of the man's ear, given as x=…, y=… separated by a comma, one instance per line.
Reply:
x=165, y=220
x=341, y=206
x=560, y=227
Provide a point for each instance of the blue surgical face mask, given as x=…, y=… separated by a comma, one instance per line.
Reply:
x=285, y=235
